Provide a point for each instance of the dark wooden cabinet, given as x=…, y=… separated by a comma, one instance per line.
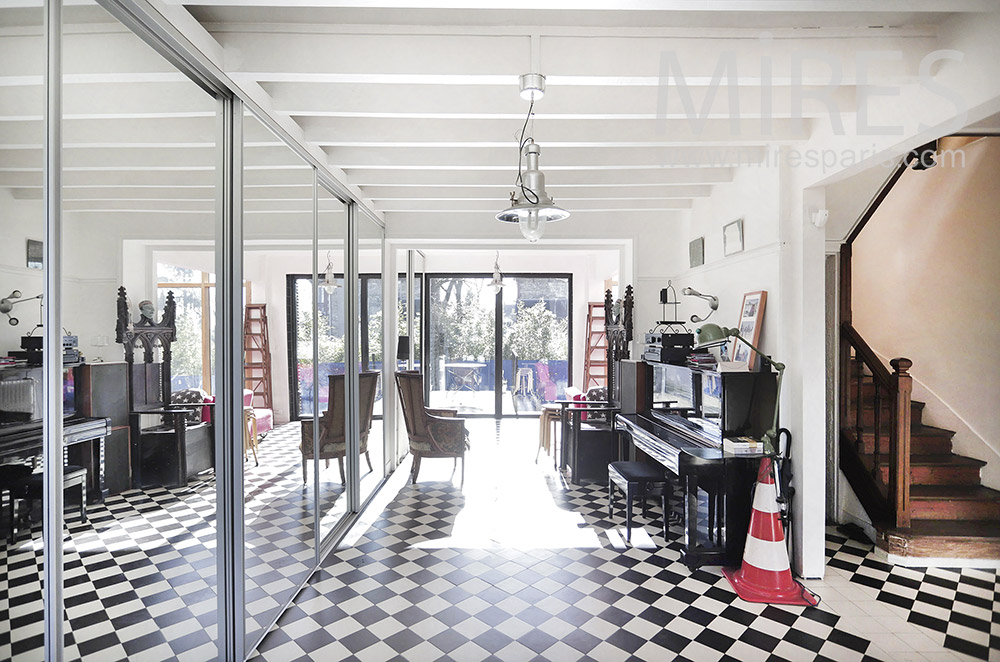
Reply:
x=101, y=391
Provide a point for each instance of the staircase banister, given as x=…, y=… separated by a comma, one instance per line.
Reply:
x=899, y=479
x=868, y=356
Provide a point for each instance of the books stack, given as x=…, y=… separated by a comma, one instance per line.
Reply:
x=742, y=445
x=701, y=361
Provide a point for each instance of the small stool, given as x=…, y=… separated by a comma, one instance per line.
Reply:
x=11, y=478
x=637, y=479
x=32, y=488
x=524, y=381
x=551, y=416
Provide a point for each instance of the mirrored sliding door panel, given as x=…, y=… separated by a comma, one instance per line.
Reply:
x=279, y=507
x=139, y=191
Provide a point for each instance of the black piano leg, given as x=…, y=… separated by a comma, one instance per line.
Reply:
x=83, y=500
x=629, y=498
x=691, y=521
x=611, y=498
x=711, y=516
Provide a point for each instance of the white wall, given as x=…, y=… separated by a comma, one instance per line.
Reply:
x=925, y=275
x=20, y=220
x=751, y=196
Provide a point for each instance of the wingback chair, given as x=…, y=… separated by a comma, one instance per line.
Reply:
x=333, y=440
x=432, y=432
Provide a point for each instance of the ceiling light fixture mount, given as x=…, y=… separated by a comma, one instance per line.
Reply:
x=532, y=86
x=530, y=206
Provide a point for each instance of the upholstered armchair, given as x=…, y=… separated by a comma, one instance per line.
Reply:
x=333, y=440
x=432, y=432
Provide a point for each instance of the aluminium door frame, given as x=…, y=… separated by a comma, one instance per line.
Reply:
x=497, y=330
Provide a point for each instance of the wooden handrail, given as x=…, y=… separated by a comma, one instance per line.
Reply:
x=867, y=356
x=894, y=389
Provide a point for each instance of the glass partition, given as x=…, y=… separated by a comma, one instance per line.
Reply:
x=330, y=337
x=22, y=223
x=279, y=507
x=371, y=384
x=536, y=343
x=139, y=195
x=460, y=372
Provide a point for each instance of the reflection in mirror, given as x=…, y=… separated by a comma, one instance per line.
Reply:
x=279, y=507
x=22, y=219
x=370, y=383
x=330, y=460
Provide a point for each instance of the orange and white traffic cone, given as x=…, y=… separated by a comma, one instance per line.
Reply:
x=766, y=575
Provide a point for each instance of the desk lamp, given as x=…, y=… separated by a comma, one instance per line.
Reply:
x=713, y=335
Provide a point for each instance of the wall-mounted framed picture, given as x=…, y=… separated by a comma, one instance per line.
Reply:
x=751, y=321
x=696, y=252
x=732, y=237
x=34, y=254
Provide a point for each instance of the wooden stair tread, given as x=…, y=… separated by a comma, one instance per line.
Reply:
x=956, y=528
x=954, y=493
x=940, y=461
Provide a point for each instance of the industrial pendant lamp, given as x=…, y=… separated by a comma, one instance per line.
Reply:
x=497, y=282
x=329, y=281
x=530, y=206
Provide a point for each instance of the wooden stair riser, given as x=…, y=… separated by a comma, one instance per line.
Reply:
x=944, y=509
x=939, y=475
x=868, y=415
x=919, y=444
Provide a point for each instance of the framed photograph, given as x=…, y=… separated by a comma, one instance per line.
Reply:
x=696, y=252
x=751, y=321
x=732, y=237
x=34, y=254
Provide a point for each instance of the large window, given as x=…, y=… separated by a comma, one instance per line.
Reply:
x=330, y=335
x=527, y=324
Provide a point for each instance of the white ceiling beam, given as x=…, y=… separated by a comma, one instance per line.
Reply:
x=457, y=178
x=565, y=60
x=351, y=99
x=718, y=6
x=553, y=158
x=323, y=130
x=499, y=191
x=496, y=205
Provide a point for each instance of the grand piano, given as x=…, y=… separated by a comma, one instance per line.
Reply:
x=22, y=425
x=680, y=419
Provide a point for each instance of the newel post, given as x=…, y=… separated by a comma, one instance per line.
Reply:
x=899, y=471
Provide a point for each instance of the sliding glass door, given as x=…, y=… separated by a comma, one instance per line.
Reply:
x=469, y=323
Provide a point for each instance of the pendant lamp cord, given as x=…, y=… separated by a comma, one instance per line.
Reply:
x=529, y=194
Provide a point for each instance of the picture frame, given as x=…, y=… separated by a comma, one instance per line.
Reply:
x=34, y=254
x=732, y=237
x=696, y=252
x=750, y=326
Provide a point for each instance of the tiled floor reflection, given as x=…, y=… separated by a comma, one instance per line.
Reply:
x=516, y=565
x=140, y=574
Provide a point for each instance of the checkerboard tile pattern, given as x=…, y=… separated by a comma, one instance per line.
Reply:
x=404, y=592
x=959, y=608
x=140, y=573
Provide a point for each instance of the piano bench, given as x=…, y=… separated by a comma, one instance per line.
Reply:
x=638, y=479
x=31, y=487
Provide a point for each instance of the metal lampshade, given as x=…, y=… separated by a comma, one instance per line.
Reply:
x=531, y=207
x=712, y=335
x=403, y=348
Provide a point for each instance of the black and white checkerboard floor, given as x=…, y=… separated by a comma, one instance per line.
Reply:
x=517, y=565
x=140, y=574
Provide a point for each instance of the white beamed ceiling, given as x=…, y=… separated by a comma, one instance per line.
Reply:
x=418, y=102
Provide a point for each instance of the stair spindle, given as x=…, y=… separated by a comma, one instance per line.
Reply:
x=877, y=463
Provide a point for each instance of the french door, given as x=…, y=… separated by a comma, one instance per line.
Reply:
x=497, y=353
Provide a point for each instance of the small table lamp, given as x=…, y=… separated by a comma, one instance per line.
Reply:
x=713, y=335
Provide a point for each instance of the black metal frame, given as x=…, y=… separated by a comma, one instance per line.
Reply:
x=425, y=344
x=291, y=314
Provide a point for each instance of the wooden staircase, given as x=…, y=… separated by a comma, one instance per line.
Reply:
x=944, y=511
x=595, y=362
